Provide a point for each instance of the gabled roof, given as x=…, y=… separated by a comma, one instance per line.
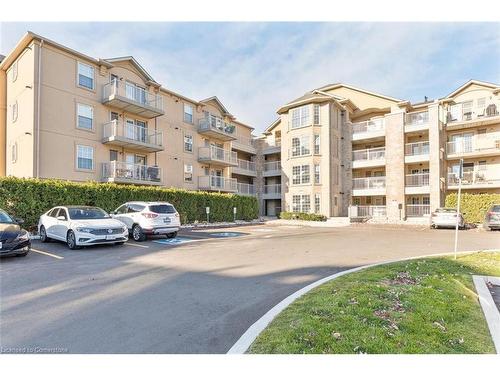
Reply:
x=219, y=104
x=309, y=97
x=135, y=64
x=336, y=85
x=472, y=82
x=273, y=125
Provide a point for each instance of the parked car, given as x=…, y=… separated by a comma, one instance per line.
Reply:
x=446, y=218
x=81, y=226
x=14, y=241
x=492, y=218
x=143, y=218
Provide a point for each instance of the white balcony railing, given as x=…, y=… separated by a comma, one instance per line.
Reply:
x=133, y=132
x=477, y=143
x=368, y=126
x=245, y=141
x=473, y=110
x=417, y=148
x=418, y=179
x=246, y=189
x=272, y=166
x=377, y=153
x=246, y=165
x=122, y=171
x=415, y=210
x=217, y=183
x=371, y=211
x=480, y=175
x=214, y=153
x=133, y=93
x=417, y=118
x=216, y=124
x=368, y=183
x=272, y=189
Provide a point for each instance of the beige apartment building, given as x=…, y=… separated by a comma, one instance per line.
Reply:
x=337, y=150
x=70, y=116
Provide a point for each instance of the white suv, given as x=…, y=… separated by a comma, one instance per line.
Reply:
x=143, y=218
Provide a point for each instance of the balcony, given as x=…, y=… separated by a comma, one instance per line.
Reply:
x=481, y=177
x=245, y=168
x=417, y=183
x=244, y=144
x=272, y=168
x=272, y=191
x=473, y=113
x=216, y=128
x=370, y=157
x=368, y=186
x=418, y=210
x=367, y=211
x=246, y=189
x=416, y=121
x=417, y=152
x=217, y=156
x=478, y=145
x=132, y=99
x=368, y=129
x=272, y=147
x=132, y=136
x=216, y=183
x=128, y=173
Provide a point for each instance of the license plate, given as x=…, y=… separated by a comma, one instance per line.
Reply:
x=110, y=237
x=166, y=220
x=1, y=245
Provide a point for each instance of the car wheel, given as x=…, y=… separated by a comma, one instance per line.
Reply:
x=172, y=235
x=43, y=234
x=71, y=240
x=137, y=233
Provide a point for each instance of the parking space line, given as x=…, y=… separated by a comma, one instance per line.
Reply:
x=135, y=244
x=48, y=254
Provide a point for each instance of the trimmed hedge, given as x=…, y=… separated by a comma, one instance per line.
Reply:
x=302, y=216
x=473, y=206
x=29, y=198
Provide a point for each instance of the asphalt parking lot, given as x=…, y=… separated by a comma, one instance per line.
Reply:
x=196, y=294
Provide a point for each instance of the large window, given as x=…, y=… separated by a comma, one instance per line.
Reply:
x=301, y=203
x=188, y=173
x=300, y=116
x=301, y=174
x=316, y=174
x=84, y=157
x=316, y=144
x=317, y=203
x=300, y=146
x=188, y=143
x=85, y=76
x=85, y=114
x=188, y=113
x=316, y=114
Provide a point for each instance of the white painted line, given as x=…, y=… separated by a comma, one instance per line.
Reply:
x=135, y=244
x=244, y=342
x=48, y=254
x=490, y=310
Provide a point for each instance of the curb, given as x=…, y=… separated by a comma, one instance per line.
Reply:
x=244, y=342
x=488, y=306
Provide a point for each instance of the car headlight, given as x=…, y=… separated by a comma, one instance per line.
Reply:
x=125, y=229
x=84, y=230
x=24, y=236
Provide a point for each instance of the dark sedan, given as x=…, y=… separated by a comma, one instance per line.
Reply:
x=14, y=241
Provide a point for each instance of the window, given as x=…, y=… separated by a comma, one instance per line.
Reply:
x=13, y=156
x=85, y=115
x=295, y=146
x=304, y=174
x=296, y=175
x=188, y=143
x=113, y=155
x=300, y=146
x=301, y=203
x=316, y=144
x=122, y=209
x=85, y=76
x=316, y=114
x=84, y=157
x=426, y=200
x=316, y=174
x=481, y=106
x=188, y=113
x=481, y=165
x=188, y=173
x=15, y=112
x=135, y=208
x=300, y=117
x=14, y=72
x=317, y=205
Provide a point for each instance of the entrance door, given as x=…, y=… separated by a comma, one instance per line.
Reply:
x=130, y=128
x=140, y=167
x=216, y=177
x=462, y=142
x=141, y=131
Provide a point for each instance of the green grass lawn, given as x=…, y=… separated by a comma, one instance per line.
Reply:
x=419, y=306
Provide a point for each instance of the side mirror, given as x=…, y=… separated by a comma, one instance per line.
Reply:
x=19, y=220
x=61, y=218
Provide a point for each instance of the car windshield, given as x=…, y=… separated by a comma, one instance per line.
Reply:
x=87, y=213
x=162, y=209
x=495, y=208
x=5, y=218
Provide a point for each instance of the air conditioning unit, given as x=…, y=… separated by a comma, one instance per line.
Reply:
x=188, y=168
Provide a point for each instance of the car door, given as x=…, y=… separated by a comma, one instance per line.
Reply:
x=62, y=224
x=121, y=213
x=49, y=222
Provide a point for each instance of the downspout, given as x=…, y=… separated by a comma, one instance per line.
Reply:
x=38, y=110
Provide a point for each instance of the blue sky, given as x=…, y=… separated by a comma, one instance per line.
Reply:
x=256, y=67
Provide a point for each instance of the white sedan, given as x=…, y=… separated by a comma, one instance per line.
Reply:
x=81, y=226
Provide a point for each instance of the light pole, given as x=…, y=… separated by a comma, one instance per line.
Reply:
x=460, y=175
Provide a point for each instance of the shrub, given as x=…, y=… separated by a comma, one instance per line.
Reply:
x=302, y=216
x=29, y=198
x=473, y=206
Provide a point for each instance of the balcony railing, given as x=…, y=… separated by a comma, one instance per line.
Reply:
x=469, y=111
x=418, y=179
x=481, y=175
x=417, y=118
x=368, y=183
x=272, y=166
x=478, y=143
x=371, y=211
x=246, y=189
x=217, y=183
x=141, y=134
x=217, y=154
x=377, y=153
x=416, y=210
x=217, y=125
x=246, y=165
x=132, y=173
x=368, y=126
x=272, y=189
x=133, y=94
x=417, y=148
x=245, y=141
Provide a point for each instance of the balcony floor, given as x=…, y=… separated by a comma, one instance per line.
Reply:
x=132, y=144
x=220, y=135
x=129, y=181
x=127, y=105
